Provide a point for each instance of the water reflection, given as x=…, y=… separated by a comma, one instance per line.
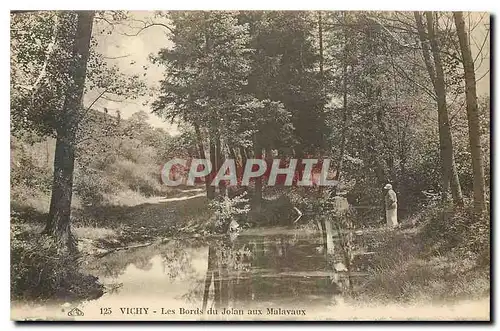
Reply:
x=260, y=269
x=219, y=272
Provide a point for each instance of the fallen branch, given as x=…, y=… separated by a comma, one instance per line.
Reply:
x=122, y=249
x=299, y=213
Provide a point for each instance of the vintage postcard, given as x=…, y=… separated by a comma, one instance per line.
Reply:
x=250, y=166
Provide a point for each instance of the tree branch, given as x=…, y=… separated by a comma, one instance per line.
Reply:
x=115, y=57
x=107, y=21
x=90, y=106
x=414, y=82
x=49, y=51
x=487, y=71
x=95, y=100
x=482, y=46
x=146, y=26
x=412, y=46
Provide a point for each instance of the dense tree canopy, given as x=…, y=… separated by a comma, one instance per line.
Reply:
x=381, y=94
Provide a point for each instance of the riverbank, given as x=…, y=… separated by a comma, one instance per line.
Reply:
x=117, y=225
x=404, y=270
x=43, y=271
x=282, y=267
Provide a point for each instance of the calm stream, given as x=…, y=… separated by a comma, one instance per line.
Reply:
x=275, y=274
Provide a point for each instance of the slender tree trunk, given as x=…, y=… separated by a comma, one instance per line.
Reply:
x=269, y=154
x=425, y=48
x=328, y=237
x=201, y=151
x=345, y=125
x=257, y=199
x=244, y=156
x=450, y=169
x=47, y=150
x=386, y=145
x=58, y=222
x=436, y=73
x=213, y=161
x=217, y=284
x=208, y=277
x=472, y=115
x=403, y=149
x=321, y=57
x=220, y=160
x=232, y=154
x=237, y=162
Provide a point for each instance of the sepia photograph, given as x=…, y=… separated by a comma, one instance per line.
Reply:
x=250, y=165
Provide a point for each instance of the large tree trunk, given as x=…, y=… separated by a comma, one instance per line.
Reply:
x=472, y=115
x=58, y=222
x=436, y=73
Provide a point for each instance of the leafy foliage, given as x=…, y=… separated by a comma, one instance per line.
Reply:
x=227, y=210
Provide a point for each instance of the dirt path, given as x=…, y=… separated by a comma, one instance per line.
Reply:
x=153, y=219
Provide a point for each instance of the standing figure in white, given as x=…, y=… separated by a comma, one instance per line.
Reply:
x=391, y=206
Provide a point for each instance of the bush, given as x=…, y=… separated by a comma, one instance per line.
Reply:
x=227, y=210
x=31, y=177
x=27, y=170
x=139, y=177
x=91, y=186
x=41, y=270
x=456, y=229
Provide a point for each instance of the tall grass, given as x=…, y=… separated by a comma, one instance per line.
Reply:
x=42, y=270
x=441, y=262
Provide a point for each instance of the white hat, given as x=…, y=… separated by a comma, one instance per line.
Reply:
x=388, y=187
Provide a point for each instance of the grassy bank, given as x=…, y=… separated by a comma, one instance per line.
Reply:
x=440, y=262
x=42, y=271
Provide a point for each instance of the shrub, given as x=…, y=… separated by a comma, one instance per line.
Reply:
x=41, y=270
x=139, y=177
x=456, y=229
x=27, y=170
x=92, y=186
x=228, y=209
